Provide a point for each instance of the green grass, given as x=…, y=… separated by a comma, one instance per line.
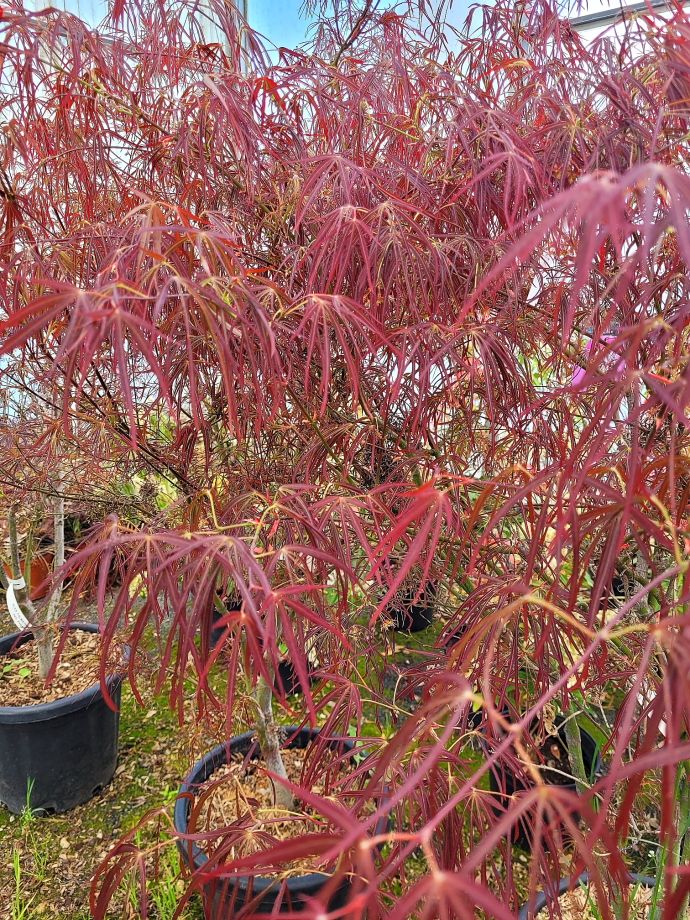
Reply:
x=20, y=906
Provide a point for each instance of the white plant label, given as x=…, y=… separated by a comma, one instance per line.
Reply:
x=20, y=621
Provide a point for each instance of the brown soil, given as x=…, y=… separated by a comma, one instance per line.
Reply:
x=580, y=904
x=77, y=670
x=244, y=795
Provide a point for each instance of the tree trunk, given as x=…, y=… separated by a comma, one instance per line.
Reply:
x=577, y=761
x=269, y=742
x=582, y=784
x=44, y=639
x=44, y=642
x=59, y=554
x=40, y=625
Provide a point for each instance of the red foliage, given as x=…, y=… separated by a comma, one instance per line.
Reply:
x=392, y=309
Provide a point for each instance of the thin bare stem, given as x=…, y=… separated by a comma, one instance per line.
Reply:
x=268, y=735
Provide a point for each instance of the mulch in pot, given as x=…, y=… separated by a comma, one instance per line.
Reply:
x=240, y=795
x=77, y=670
x=580, y=902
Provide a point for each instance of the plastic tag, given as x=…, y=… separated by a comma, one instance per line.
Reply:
x=20, y=621
x=644, y=702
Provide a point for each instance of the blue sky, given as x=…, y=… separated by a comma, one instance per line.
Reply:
x=279, y=21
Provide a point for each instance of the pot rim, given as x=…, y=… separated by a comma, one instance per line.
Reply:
x=205, y=767
x=542, y=900
x=43, y=712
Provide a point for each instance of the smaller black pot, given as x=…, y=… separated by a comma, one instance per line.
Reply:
x=288, y=679
x=452, y=640
x=216, y=617
x=63, y=752
x=542, y=901
x=216, y=631
x=414, y=617
x=224, y=897
x=287, y=674
x=504, y=782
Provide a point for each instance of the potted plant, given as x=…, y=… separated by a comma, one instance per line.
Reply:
x=228, y=892
x=267, y=795
x=58, y=741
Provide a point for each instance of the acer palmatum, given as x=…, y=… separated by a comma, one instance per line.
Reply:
x=402, y=302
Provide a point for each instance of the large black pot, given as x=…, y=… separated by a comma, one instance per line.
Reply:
x=505, y=782
x=63, y=752
x=224, y=897
x=542, y=900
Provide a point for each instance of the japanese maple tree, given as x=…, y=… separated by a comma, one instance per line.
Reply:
x=400, y=306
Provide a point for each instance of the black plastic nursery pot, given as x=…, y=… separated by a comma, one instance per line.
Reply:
x=414, y=617
x=452, y=640
x=231, y=606
x=224, y=897
x=216, y=631
x=539, y=908
x=505, y=782
x=54, y=756
x=287, y=678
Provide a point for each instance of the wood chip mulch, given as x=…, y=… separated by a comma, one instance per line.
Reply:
x=77, y=670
